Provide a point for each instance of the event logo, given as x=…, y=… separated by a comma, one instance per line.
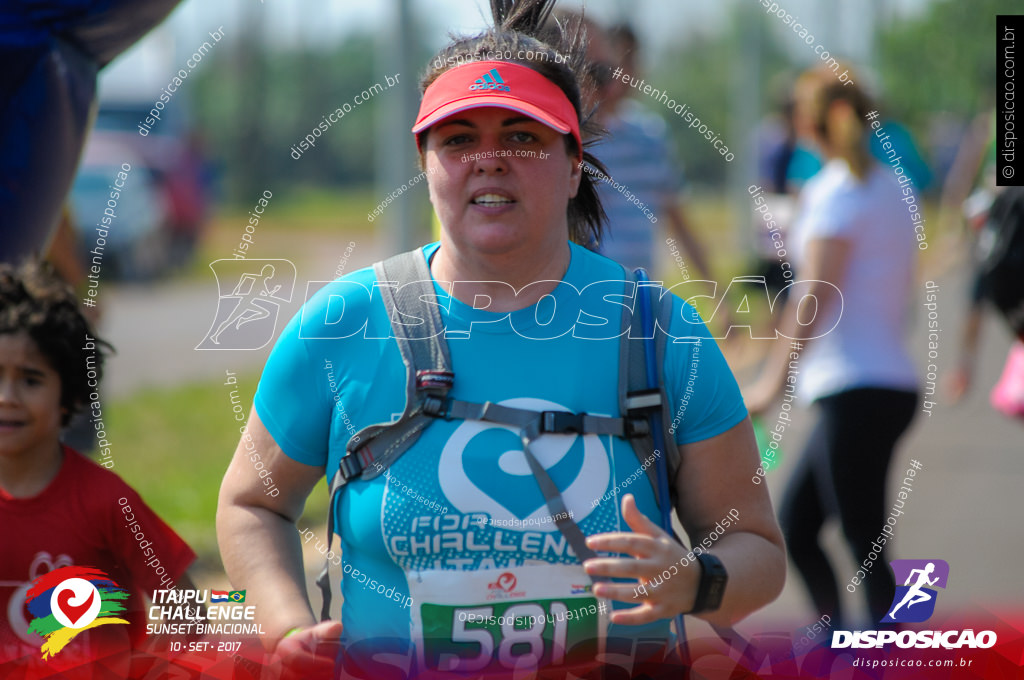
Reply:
x=250, y=294
x=504, y=587
x=915, y=599
x=70, y=600
x=506, y=582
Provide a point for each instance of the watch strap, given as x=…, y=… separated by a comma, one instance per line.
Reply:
x=711, y=588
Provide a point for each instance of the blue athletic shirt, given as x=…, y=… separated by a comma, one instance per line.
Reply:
x=462, y=499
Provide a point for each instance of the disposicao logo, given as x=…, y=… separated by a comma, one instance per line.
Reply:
x=919, y=579
x=490, y=81
x=69, y=600
x=914, y=602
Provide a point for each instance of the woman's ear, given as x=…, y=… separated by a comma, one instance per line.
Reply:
x=575, y=174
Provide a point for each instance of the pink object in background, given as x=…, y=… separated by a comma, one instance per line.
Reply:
x=1008, y=394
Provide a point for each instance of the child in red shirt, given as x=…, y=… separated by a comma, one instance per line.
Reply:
x=58, y=508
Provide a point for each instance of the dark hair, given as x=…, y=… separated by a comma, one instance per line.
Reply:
x=558, y=55
x=624, y=38
x=34, y=300
x=847, y=135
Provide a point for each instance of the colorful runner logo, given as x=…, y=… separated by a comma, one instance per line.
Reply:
x=915, y=599
x=69, y=600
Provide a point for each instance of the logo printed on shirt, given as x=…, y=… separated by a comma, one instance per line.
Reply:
x=490, y=81
x=485, y=469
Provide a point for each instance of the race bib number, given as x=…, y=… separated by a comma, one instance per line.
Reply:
x=521, y=617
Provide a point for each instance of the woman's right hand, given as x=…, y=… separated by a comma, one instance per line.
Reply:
x=309, y=652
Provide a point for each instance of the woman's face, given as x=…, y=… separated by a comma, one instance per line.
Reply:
x=804, y=111
x=500, y=180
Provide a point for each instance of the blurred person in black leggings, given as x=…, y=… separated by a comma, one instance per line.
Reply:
x=852, y=233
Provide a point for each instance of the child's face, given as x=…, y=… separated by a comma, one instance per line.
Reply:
x=30, y=411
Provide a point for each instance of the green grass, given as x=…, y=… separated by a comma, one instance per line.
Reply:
x=310, y=209
x=173, y=446
x=303, y=212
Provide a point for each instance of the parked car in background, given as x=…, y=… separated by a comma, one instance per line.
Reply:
x=163, y=208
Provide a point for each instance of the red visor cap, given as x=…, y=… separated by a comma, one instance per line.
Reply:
x=502, y=84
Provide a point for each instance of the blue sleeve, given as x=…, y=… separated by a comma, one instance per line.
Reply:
x=292, y=400
x=704, y=399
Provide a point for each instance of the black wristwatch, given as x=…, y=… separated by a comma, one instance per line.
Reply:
x=711, y=588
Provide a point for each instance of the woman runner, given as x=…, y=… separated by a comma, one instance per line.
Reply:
x=491, y=582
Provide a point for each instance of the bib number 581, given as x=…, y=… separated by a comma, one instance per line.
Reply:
x=526, y=634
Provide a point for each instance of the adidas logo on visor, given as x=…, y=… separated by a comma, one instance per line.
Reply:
x=490, y=81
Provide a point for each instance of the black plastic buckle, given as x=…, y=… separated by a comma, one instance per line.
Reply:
x=436, y=407
x=350, y=466
x=637, y=426
x=561, y=422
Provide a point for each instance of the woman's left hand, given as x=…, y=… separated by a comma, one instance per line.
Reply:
x=665, y=587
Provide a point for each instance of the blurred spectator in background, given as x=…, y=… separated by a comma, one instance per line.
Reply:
x=778, y=146
x=807, y=162
x=188, y=187
x=639, y=157
x=994, y=217
x=967, y=195
x=852, y=231
x=51, y=53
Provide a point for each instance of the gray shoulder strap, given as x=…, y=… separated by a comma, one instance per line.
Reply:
x=404, y=282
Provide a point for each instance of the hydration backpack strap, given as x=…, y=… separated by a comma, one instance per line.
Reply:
x=636, y=400
x=553, y=497
x=417, y=328
x=428, y=375
x=554, y=422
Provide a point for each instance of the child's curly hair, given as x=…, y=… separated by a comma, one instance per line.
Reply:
x=34, y=300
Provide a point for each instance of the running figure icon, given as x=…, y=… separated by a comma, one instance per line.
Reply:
x=916, y=595
x=249, y=302
x=250, y=296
